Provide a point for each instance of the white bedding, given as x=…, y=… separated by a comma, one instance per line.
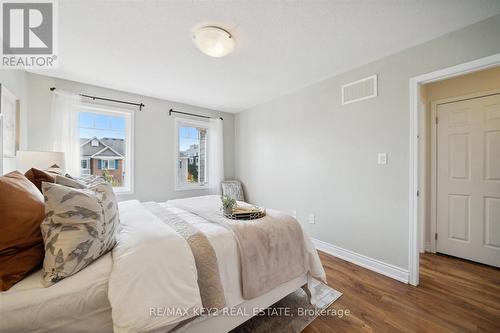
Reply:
x=147, y=249
x=246, y=234
x=78, y=303
x=153, y=267
x=226, y=251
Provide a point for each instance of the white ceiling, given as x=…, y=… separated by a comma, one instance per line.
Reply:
x=145, y=46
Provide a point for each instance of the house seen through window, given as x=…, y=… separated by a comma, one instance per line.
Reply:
x=103, y=146
x=191, y=155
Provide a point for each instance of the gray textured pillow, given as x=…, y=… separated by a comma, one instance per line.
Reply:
x=232, y=189
x=91, y=180
x=79, y=227
x=70, y=182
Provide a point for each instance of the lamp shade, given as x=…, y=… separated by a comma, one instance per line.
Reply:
x=42, y=160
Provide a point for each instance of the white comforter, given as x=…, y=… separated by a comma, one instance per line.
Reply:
x=76, y=304
x=153, y=270
x=150, y=270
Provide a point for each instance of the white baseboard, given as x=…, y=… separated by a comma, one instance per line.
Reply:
x=375, y=265
x=428, y=247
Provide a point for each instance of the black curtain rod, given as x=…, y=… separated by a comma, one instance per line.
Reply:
x=190, y=114
x=140, y=105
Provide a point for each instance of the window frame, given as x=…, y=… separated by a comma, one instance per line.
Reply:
x=128, y=187
x=108, y=164
x=87, y=161
x=187, y=122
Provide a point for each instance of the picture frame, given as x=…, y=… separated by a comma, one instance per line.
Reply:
x=9, y=111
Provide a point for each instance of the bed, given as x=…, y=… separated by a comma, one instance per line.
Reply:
x=147, y=272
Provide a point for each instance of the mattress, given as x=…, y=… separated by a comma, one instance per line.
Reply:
x=78, y=303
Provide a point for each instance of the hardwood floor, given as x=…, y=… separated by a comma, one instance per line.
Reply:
x=454, y=295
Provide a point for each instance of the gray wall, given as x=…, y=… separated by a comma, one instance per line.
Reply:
x=154, y=135
x=307, y=152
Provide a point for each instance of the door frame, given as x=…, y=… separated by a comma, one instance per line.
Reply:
x=415, y=163
x=434, y=157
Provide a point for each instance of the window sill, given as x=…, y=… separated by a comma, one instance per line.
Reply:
x=122, y=190
x=124, y=193
x=190, y=188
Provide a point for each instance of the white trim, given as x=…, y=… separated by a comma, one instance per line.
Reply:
x=467, y=67
x=106, y=147
x=191, y=122
x=413, y=235
x=422, y=186
x=375, y=265
x=433, y=171
x=108, y=157
x=1, y=142
x=87, y=160
x=111, y=110
x=129, y=141
x=434, y=157
x=191, y=187
x=179, y=121
x=375, y=89
x=107, y=162
x=427, y=247
x=414, y=161
x=226, y=321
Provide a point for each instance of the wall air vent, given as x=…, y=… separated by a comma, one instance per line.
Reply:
x=359, y=90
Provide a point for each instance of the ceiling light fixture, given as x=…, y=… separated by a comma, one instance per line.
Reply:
x=213, y=41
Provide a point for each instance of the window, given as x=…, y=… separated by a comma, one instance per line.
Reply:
x=191, y=154
x=109, y=164
x=85, y=166
x=105, y=145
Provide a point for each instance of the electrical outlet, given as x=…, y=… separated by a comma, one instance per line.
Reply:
x=294, y=214
x=312, y=219
x=382, y=158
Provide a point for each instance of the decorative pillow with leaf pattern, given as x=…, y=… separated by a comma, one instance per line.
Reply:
x=80, y=226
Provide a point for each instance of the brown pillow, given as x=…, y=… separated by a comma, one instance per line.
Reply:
x=22, y=210
x=55, y=169
x=38, y=176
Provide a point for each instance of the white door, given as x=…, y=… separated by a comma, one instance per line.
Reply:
x=468, y=179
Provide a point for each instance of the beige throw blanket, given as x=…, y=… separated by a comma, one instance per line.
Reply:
x=272, y=249
x=211, y=291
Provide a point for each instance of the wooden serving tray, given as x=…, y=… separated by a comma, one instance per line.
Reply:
x=251, y=213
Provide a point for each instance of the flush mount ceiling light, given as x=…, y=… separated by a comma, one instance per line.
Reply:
x=213, y=41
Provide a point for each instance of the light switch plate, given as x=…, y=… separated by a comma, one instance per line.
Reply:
x=382, y=158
